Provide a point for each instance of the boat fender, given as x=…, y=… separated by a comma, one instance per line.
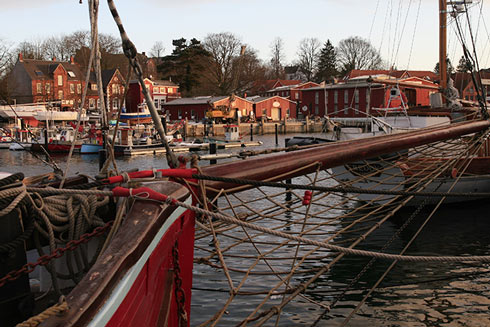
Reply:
x=307, y=198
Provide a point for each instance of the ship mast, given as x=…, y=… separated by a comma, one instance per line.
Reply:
x=443, y=43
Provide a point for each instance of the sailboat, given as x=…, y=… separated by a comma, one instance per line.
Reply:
x=121, y=248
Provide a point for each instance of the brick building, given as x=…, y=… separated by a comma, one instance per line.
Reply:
x=161, y=92
x=33, y=81
x=463, y=82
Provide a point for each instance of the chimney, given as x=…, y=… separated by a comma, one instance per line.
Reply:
x=54, y=58
x=72, y=60
x=21, y=58
x=144, y=54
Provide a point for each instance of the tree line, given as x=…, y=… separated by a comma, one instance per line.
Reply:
x=220, y=64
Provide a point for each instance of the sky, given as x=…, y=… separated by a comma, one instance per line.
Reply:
x=404, y=31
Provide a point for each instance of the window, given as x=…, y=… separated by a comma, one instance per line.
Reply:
x=346, y=97
x=39, y=88
x=48, y=88
x=71, y=74
x=115, y=104
x=296, y=95
x=115, y=88
x=60, y=80
x=179, y=114
x=336, y=97
x=288, y=112
x=264, y=112
x=93, y=87
x=60, y=94
x=72, y=88
x=156, y=103
x=316, y=110
x=193, y=114
x=91, y=103
x=162, y=90
x=317, y=97
x=79, y=88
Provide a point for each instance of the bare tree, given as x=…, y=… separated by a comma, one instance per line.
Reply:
x=32, y=49
x=157, y=50
x=308, y=56
x=110, y=44
x=77, y=40
x=277, y=58
x=224, y=48
x=55, y=47
x=357, y=53
x=5, y=58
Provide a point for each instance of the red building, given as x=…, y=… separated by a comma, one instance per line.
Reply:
x=33, y=81
x=261, y=87
x=357, y=97
x=274, y=107
x=113, y=88
x=160, y=91
x=466, y=88
x=195, y=108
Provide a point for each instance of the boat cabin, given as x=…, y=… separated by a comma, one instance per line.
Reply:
x=232, y=133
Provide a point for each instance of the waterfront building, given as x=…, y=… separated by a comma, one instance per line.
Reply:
x=273, y=107
x=33, y=81
x=161, y=92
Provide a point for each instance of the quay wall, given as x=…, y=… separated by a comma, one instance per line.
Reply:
x=259, y=128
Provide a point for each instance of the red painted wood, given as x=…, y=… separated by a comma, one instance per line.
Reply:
x=142, y=304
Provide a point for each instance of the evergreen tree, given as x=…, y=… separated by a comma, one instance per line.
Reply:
x=184, y=65
x=464, y=66
x=327, y=63
x=450, y=68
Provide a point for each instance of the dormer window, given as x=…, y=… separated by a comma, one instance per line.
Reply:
x=71, y=74
x=39, y=73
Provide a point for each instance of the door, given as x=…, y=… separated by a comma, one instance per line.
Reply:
x=276, y=113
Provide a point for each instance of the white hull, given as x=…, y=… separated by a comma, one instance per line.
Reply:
x=20, y=146
x=393, y=180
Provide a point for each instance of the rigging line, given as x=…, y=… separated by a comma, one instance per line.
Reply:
x=374, y=19
x=413, y=35
x=384, y=29
x=380, y=280
x=130, y=52
x=401, y=33
x=93, y=27
x=51, y=162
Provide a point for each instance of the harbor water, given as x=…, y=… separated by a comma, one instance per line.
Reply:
x=412, y=294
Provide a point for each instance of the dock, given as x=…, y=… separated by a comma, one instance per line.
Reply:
x=133, y=151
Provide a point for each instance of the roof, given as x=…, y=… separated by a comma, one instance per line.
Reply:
x=107, y=75
x=44, y=69
x=425, y=74
x=344, y=86
x=195, y=100
x=163, y=83
x=257, y=99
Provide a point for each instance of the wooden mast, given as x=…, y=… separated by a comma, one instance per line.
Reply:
x=443, y=43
